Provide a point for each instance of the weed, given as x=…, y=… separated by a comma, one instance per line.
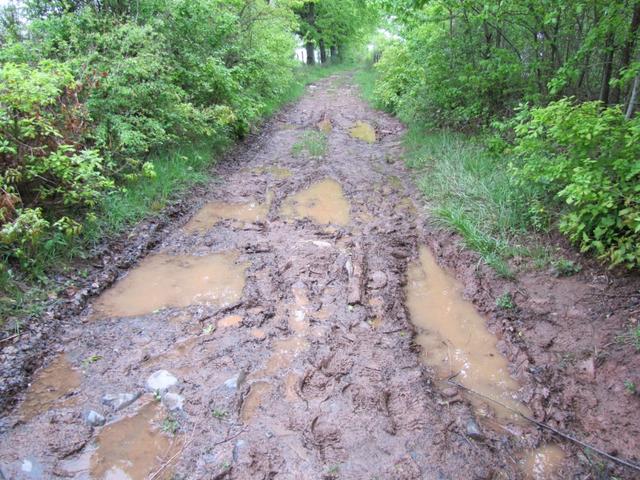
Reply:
x=170, y=425
x=218, y=413
x=157, y=396
x=632, y=337
x=209, y=329
x=505, y=301
x=333, y=471
x=565, y=268
x=312, y=144
x=226, y=465
x=91, y=359
x=630, y=387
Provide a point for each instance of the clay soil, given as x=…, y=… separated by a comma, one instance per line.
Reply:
x=312, y=371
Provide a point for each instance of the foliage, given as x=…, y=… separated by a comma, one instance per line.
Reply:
x=312, y=144
x=588, y=157
x=505, y=301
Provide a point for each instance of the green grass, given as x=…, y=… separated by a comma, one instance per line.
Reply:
x=468, y=190
x=312, y=144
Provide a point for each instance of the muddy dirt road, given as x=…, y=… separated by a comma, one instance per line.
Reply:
x=292, y=326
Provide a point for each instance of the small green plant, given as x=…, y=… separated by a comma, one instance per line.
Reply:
x=632, y=337
x=170, y=425
x=630, y=387
x=157, y=396
x=209, y=329
x=505, y=301
x=565, y=268
x=218, y=413
x=312, y=143
x=91, y=359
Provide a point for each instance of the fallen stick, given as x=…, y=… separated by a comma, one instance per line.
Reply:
x=547, y=427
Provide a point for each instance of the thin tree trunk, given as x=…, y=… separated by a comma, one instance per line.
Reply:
x=311, y=54
x=334, y=54
x=323, y=52
x=627, y=50
x=606, y=69
x=634, y=97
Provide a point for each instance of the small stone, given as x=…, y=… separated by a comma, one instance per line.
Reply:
x=473, y=429
x=10, y=350
x=94, y=419
x=173, y=401
x=234, y=382
x=378, y=280
x=119, y=401
x=237, y=449
x=450, y=392
x=160, y=381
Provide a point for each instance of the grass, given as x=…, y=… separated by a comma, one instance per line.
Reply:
x=23, y=293
x=468, y=189
x=312, y=143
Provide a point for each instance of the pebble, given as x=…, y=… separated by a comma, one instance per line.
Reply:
x=450, y=392
x=160, y=381
x=473, y=429
x=119, y=401
x=173, y=401
x=378, y=279
x=94, y=419
x=234, y=382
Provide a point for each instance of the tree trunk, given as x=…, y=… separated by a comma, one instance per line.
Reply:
x=606, y=69
x=311, y=54
x=323, y=53
x=334, y=54
x=627, y=50
x=634, y=98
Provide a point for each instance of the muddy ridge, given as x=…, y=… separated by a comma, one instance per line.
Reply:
x=292, y=325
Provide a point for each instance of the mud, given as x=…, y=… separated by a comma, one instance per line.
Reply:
x=295, y=356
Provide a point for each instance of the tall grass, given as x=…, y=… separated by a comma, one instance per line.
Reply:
x=468, y=189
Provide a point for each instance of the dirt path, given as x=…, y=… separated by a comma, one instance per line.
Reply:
x=286, y=350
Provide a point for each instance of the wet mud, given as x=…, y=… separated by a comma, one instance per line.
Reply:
x=292, y=324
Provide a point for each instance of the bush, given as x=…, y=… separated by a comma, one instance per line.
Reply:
x=588, y=158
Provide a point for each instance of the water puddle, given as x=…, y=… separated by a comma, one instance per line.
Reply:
x=162, y=281
x=214, y=212
x=542, y=463
x=133, y=448
x=323, y=202
x=454, y=337
x=50, y=386
x=363, y=131
x=253, y=400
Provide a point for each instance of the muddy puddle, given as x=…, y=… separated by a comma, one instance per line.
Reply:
x=284, y=351
x=542, y=463
x=214, y=212
x=253, y=400
x=325, y=126
x=363, y=131
x=162, y=281
x=454, y=337
x=323, y=202
x=135, y=447
x=50, y=387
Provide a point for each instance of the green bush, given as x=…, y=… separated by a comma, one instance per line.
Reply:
x=588, y=158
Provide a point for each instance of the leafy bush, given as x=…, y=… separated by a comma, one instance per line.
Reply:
x=587, y=157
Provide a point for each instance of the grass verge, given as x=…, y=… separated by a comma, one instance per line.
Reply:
x=23, y=294
x=468, y=189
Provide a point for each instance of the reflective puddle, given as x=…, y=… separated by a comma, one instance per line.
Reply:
x=542, y=463
x=50, y=385
x=455, y=340
x=134, y=448
x=214, y=212
x=162, y=281
x=323, y=202
x=275, y=171
x=454, y=337
x=253, y=400
x=363, y=131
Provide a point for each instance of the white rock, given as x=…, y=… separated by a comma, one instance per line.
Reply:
x=161, y=381
x=173, y=401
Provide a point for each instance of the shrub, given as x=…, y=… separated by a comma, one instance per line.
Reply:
x=588, y=158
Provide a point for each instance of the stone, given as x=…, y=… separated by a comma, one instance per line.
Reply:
x=94, y=419
x=119, y=401
x=234, y=382
x=450, y=392
x=173, y=401
x=378, y=280
x=473, y=429
x=160, y=381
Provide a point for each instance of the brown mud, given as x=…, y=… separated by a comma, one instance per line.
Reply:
x=268, y=335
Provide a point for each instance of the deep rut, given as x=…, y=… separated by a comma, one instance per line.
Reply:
x=294, y=357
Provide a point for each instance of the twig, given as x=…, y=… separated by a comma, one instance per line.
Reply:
x=179, y=452
x=548, y=427
x=230, y=437
x=5, y=339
